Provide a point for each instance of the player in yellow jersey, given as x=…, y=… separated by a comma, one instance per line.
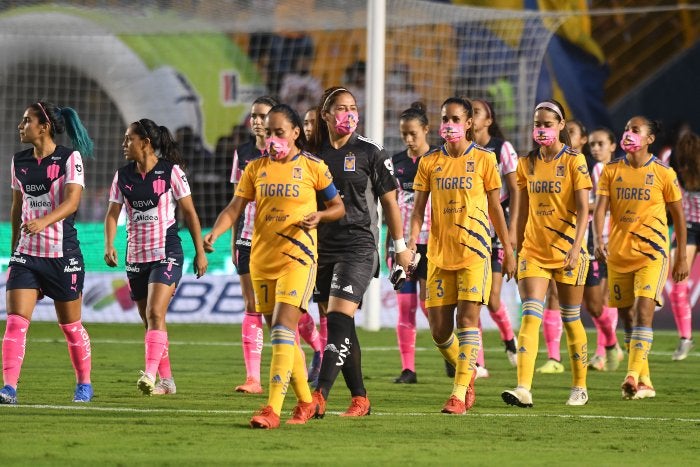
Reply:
x=638, y=188
x=464, y=184
x=554, y=185
x=284, y=184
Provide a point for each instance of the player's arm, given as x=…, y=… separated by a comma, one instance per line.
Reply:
x=392, y=215
x=111, y=219
x=511, y=181
x=420, y=201
x=498, y=219
x=234, y=232
x=680, y=262
x=581, y=200
x=521, y=218
x=15, y=218
x=601, y=208
x=191, y=218
x=335, y=209
x=71, y=200
x=225, y=221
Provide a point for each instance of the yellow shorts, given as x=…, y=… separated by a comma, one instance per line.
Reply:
x=646, y=282
x=447, y=287
x=576, y=276
x=295, y=287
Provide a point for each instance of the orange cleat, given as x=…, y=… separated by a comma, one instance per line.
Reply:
x=303, y=412
x=471, y=393
x=265, y=418
x=454, y=406
x=251, y=386
x=629, y=388
x=319, y=403
x=359, y=407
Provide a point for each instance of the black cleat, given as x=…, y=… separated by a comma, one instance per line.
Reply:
x=407, y=377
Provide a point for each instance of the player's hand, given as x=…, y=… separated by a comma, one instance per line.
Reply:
x=508, y=266
x=310, y=221
x=404, y=258
x=110, y=256
x=680, y=269
x=571, y=259
x=200, y=265
x=34, y=226
x=208, y=242
x=601, y=253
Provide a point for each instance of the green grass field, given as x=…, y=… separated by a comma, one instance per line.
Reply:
x=206, y=423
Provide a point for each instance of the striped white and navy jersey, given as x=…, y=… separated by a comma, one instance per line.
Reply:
x=405, y=169
x=241, y=157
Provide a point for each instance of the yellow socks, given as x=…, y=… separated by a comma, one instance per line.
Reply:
x=299, y=376
x=449, y=350
x=529, y=341
x=640, y=345
x=469, y=343
x=283, y=348
x=577, y=343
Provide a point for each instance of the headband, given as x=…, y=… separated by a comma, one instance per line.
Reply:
x=486, y=104
x=331, y=95
x=550, y=106
x=48, y=120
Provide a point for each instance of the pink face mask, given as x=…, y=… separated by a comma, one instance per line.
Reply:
x=631, y=142
x=346, y=122
x=277, y=148
x=452, y=132
x=545, y=136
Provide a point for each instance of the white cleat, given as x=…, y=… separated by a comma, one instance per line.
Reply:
x=683, y=349
x=146, y=383
x=519, y=396
x=578, y=396
x=164, y=386
x=482, y=372
x=644, y=392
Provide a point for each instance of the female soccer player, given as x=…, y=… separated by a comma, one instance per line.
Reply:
x=284, y=184
x=47, y=184
x=638, y=189
x=688, y=156
x=463, y=182
x=309, y=122
x=348, y=256
x=413, y=125
x=488, y=135
x=608, y=354
x=553, y=181
x=151, y=187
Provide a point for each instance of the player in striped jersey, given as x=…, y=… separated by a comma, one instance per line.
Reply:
x=463, y=182
x=687, y=153
x=241, y=236
x=638, y=189
x=150, y=188
x=413, y=125
x=608, y=354
x=488, y=135
x=553, y=181
x=47, y=184
x=284, y=184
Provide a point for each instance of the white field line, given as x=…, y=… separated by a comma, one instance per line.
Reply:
x=93, y=408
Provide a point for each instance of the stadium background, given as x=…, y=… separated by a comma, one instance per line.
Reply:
x=195, y=66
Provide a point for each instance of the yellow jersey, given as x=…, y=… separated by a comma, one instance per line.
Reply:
x=551, y=223
x=459, y=233
x=284, y=192
x=638, y=225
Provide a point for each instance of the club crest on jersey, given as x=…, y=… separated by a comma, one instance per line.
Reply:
x=349, y=165
x=159, y=186
x=649, y=180
x=52, y=171
x=560, y=171
x=78, y=168
x=296, y=173
x=470, y=166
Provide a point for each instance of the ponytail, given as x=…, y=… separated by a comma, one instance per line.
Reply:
x=66, y=120
x=161, y=140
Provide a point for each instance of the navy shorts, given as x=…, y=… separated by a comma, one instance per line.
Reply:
x=497, y=254
x=346, y=279
x=597, y=271
x=693, y=229
x=58, y=278
x=167, y=271
x=243, y=256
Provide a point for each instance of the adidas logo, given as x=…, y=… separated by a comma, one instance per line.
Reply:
x=293, y=293
x=276, y=379
x=332, y=348
x=438, y=169
x=639, y=346
x=647, y=287
x=576, y=356
x=461, y=356
x=348, y=289
x=522, y=349
x=618, y=179
x=474, y=290
x=263, y=174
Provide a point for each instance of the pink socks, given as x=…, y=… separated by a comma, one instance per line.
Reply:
x=502, y=320
x=13, y=345
x=164, y=370
x=406, y=330
x=323, y=330
x=680, y=305
x=480, y=356
x=308, y=332
x=552, y=328
x=252, y=336
x=79, y=350
x=156, y=342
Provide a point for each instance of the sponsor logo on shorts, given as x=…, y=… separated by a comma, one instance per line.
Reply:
x=72, y=269
x=130, y=268
x=647, y=287
x=18, y=259
x=474, y=289
x=293, y=293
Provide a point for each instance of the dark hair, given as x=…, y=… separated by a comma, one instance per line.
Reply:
x=494, y=129
x=688, y=153
x=654, y=126
x=609, y=133
x=266, y=100
x=585, y=149
x=64, y=119
x=161, y=140
x=321, y=128
x=464, y=102
x=292, y=117
x=415, y=112
x=563, y=134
